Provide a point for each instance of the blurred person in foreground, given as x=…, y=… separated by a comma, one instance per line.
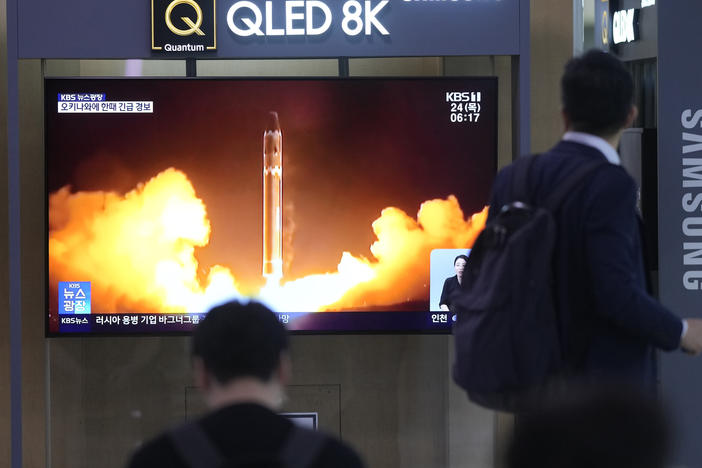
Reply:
x=606, y=427
x=241, y=365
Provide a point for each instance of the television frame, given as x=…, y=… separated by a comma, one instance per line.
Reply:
x=330, y=331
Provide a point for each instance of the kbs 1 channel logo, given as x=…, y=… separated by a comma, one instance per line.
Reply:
x=183, y=26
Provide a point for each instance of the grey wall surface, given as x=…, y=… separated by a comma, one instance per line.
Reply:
x=551, y=47
x=680, y=216
x=388, y=396
x=32, y=255
x=4, y=254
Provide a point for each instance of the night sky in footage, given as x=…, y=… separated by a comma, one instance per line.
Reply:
x=350, y=149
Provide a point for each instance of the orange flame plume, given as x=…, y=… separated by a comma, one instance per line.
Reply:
x=138, y=250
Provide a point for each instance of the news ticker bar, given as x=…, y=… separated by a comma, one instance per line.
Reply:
x=294, y=321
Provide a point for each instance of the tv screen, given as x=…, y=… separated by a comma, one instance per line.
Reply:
x=322, y=198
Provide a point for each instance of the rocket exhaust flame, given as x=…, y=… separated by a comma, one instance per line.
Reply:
x=143, y=243
x=138, y=248
x=273, y=200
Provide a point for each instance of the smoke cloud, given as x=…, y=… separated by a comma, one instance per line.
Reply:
x=403, y=248
x=138, y=251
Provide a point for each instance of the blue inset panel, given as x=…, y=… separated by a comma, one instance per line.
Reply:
x=74, y=297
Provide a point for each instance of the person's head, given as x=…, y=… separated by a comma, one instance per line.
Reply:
x=459, y=264
x=240, y=341
x=597, y=94
x=602, y=428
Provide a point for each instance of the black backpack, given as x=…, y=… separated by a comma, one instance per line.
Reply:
x=507, y=339
x=194, y=446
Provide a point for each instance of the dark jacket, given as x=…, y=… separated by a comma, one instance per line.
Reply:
x=448, y=293
x=609, y=323
x=245, y=430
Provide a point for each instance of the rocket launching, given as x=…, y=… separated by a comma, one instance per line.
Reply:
x=273, y=199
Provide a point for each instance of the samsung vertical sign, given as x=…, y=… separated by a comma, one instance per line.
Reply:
x=691, y=199
x=680, y=210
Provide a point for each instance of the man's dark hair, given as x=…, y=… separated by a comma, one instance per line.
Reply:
x=240, y=340
x=598, y=428
x=597, y=92
x=464, y=257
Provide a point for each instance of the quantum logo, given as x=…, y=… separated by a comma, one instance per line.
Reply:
x=183, y=25
x=194, y=27
x=605, y=28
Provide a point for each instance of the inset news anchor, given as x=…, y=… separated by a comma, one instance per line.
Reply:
x=453, y=284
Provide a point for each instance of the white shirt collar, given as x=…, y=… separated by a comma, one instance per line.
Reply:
x=595, y=142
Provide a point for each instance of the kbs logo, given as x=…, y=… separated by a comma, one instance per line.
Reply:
x=462, y=96
x=183, y=25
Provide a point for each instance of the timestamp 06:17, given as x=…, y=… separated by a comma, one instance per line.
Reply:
x=460, y=117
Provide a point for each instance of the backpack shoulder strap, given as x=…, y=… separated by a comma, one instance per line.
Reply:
x=194, y=447
x=565, y=187
x=301, y=448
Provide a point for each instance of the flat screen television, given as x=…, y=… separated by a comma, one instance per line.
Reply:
x=322, y=198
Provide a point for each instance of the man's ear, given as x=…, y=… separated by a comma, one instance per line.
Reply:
x=201, y=377
x=633, y=113
x=565, y=119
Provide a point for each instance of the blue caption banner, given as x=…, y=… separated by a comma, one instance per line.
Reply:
x=82, y=97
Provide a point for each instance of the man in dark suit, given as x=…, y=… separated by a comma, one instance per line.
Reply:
x=609, y=323
x=241, y=365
